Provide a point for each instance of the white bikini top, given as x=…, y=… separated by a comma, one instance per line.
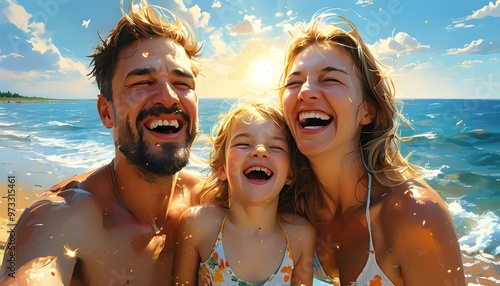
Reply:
x=371, y=273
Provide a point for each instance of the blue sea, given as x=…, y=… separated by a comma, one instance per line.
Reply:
x=458, y=141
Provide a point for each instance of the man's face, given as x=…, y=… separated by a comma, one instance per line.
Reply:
x=155, y=106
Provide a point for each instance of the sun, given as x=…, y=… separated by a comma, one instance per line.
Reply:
x=262, y=73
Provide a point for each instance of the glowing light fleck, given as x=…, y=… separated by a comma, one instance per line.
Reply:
x=69, y=252
x=423, y=222
x=449, y=270
x=145, y=54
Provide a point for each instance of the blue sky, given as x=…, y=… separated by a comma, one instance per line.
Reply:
x=441, y=49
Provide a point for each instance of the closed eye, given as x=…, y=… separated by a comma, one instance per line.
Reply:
x=277, y=148
x=182, y=85
x=292, y=84
x=142, y=82
x=241, y=145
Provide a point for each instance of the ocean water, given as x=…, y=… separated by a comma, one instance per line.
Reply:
x=456, y=140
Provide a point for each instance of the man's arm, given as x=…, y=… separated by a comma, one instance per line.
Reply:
x=44, y=244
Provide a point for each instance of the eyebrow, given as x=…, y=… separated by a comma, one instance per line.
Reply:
x=247, y=135
x=140, y=71
x=327, y=69
x=147, y=71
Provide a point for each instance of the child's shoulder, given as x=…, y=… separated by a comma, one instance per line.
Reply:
x=203, y=215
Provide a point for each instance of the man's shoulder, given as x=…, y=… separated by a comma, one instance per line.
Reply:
x=189, y=178
x=67, y=202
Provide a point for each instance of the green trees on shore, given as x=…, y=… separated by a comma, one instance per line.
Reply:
x=9, y=94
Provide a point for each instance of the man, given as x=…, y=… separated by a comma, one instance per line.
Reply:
x=116, y=225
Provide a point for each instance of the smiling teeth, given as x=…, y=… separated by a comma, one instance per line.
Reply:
x=310, y=115
x=157, y=123
x=262, y=169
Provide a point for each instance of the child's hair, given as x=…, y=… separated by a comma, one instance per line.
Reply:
x=292, y=196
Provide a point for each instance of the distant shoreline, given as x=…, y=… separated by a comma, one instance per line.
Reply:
x=8, y=100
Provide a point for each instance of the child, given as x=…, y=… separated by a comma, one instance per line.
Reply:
x=251, y=234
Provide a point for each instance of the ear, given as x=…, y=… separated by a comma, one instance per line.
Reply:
x=222, y=173
x=368, y=113
x=105, y=111
x=289, y=178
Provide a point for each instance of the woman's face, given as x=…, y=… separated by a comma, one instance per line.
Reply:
x=323, y=102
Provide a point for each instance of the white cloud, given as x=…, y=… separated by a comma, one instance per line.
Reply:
x=491, y=10
x=220, y=47
x=73, y=85
x=43, y=65
x=401, y=43
x=364, y=3
x=13, y=55
x=471, y=48
x=17, y=15
x=468, y=64
x=216, y=4
x=417, y=66
x=459, y=26
x=250, y=25
x=477, y=47
x=194, y=16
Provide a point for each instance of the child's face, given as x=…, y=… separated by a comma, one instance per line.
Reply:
x=257, y=162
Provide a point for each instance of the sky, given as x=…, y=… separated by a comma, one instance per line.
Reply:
x=437, y=49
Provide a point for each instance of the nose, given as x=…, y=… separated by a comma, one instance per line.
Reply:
x=260, y=151
x=166, y=95
x=308, y=91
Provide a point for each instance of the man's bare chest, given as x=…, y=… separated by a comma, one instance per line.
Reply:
x=125, y=257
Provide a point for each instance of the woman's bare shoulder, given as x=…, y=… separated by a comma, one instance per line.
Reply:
x=417, y=208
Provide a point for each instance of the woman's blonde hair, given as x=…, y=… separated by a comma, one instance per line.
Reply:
x=215, y=191
x=379, y=141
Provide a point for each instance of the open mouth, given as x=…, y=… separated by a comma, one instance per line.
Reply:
x=258, y=173
x=164, y=126
x=314, y=120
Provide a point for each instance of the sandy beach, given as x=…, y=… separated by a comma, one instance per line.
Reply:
x=32, y=178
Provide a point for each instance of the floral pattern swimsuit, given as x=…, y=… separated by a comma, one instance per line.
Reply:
x=216, y=270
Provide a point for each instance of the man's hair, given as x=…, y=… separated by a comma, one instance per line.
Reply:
x=148, y=21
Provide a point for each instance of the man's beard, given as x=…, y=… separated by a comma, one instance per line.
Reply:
x=161, y=160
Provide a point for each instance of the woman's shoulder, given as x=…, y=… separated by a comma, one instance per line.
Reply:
x=413, y=205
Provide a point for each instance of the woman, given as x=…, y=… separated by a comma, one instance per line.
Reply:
x=378, y=222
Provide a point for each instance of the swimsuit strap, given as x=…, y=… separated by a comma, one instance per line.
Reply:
x=288, y=246
x=371, y=248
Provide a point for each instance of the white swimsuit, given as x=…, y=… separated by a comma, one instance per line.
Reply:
x=371, y=273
